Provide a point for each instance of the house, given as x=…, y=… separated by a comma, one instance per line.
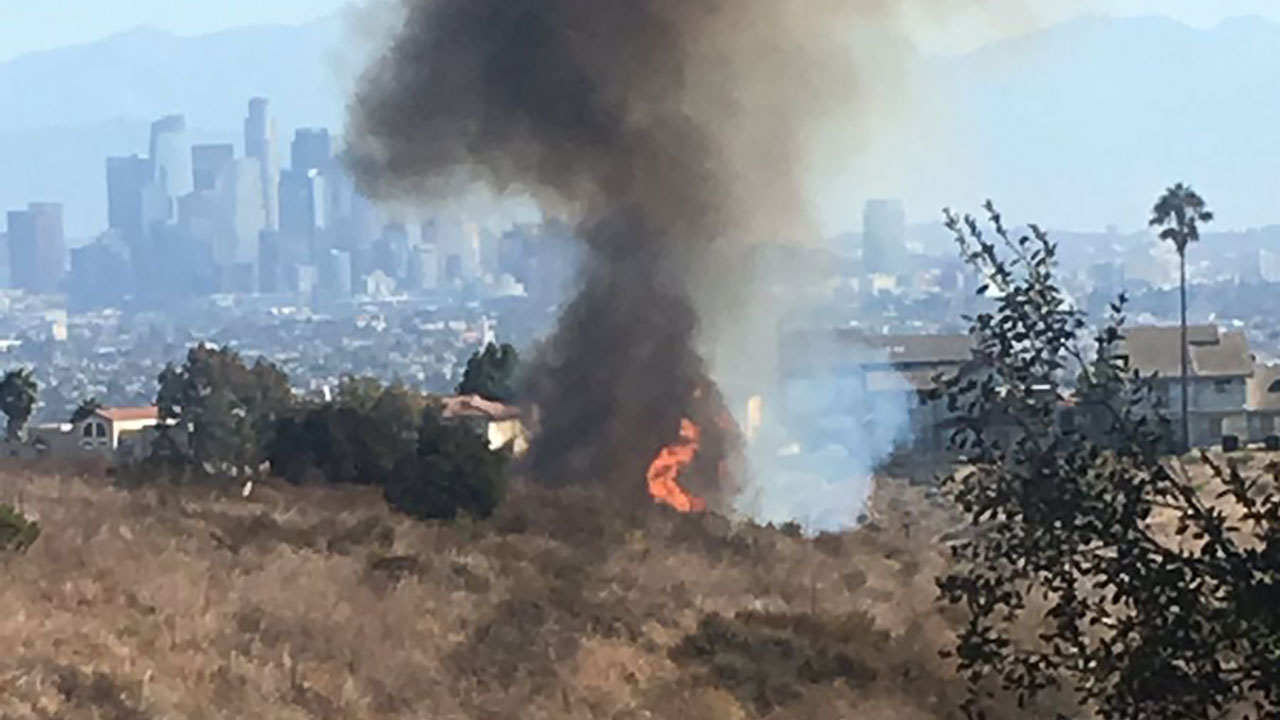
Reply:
x=110, y=429
x=1218, y=370
x=874, y=381
x=917, y=363
x=1263, y=407
x=501, y=424
x=117, y=434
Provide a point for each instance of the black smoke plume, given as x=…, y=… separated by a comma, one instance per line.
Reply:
x=660, y=127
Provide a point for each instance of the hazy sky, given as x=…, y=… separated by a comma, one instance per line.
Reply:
x=29, y=25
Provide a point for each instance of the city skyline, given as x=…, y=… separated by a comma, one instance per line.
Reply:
x=93, y=101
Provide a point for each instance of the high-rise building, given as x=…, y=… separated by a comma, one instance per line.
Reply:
x=365, y=220
x=242, y=210
x=260, y=144
x=5, y=281
x=312, y=149
x=270, y=265
x=304, y=279
x=884, y=236
x=391, y=251
x=208, y=162
x=226, y=224
x=350, y=218
x=100, y=274
x=424, y=268
x=134, y=201
x=459, y=246
x=335, y=276
x=302, y=207
x=171, y=154
x=513, y=252
x=279, y=257
x=489, y=251
x=37, y=248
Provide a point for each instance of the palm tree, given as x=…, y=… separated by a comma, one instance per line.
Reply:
x=85, y=410
x=18, y=394
x=1180, y=212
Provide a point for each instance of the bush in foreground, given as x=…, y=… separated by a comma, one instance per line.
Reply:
x=17, y=533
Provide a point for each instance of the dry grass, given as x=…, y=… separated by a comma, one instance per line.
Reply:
x=168, y=603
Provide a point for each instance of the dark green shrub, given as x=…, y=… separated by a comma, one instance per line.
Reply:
x=452, y=473
x=17, y=533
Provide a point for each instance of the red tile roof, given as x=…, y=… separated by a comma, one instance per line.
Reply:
x=130, y=414
x=476, y=406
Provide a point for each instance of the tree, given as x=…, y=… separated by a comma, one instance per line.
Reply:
x=452, y=473
x=1097, y=567
x=85, y=410
x=1179, y=212
x=357, y=439
x=18, y=395
x=359, y=393
x=219, y=413
x=491, y=373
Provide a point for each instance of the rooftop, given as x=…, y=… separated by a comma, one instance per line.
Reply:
x=129, y=414
x=474, y=406
x=1213, y=353
x=1264, y=388
x=902, y=350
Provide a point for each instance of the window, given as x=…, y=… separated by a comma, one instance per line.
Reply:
x=1274, y=387
x=94, y=430
x=88, y=430
x=99, y=430
x=1222, y=386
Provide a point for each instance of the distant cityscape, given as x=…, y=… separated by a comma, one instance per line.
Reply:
x=205, y=244
x=188, y=221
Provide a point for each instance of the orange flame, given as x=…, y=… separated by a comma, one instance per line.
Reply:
x=664, y=472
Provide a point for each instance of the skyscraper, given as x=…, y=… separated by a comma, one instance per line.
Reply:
x=391, y=251
x=171, y=154
x=4, y=261
x=312, y=149
x=335, y=276
x=270, y=263
x=302, y=208
x=37, y=248
x=424, y=268
x=100, y=274
x=208, y=163
x=459, y=246
x=134, y=201
x=884, y=236
x=260, y=143
x=240, y=189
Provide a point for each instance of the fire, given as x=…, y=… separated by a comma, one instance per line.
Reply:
x=664, y=472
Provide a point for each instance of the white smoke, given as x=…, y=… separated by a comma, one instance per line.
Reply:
x=826, y=423
x=823, y=440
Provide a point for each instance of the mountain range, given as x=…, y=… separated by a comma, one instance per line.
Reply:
x=1079, y=125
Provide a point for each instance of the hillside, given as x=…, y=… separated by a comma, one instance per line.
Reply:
x=145, y=73
x=291, y=604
